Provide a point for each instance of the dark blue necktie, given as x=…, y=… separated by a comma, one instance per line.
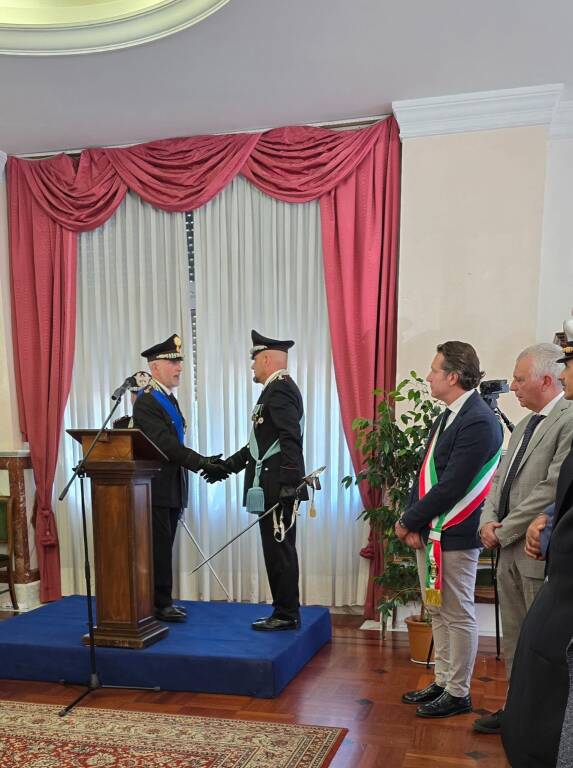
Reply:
x=442, y=425
x=504, y=499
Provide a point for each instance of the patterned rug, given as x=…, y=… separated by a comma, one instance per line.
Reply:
x=34, y=736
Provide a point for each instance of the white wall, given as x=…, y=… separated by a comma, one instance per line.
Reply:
x=556, y=278
x=470, y=242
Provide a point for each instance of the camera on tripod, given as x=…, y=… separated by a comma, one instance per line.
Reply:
x=490, y=390
x=493, y=387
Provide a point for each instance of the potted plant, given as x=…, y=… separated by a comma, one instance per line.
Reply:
x=391, y=446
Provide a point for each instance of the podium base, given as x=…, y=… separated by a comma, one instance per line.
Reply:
x=145, y=636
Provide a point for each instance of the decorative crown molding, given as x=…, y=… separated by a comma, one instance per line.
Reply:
x=562, y=125
x=480, y=111
x=157, y=21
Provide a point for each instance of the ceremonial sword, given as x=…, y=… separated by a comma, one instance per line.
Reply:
x=311, y=479
x=194, y=540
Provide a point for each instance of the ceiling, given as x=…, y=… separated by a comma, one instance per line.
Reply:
x=265, y=63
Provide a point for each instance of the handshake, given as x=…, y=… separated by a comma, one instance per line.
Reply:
x=213, y=468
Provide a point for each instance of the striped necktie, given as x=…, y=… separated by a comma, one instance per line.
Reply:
x=503, y=509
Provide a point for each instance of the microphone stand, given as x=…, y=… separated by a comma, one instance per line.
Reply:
x=80, y=471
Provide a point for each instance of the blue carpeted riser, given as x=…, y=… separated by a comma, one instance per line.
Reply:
x=215, y=651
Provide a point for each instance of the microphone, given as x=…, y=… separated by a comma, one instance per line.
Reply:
x=120, y=391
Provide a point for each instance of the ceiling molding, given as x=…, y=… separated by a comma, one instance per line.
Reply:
x=480, y=111
x=109, y=34
x=562, y=125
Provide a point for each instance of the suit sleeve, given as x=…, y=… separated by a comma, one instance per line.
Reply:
x=541, y=496
x=474, y=445
x=150, y=418
x=239, y=460
x=283, y=407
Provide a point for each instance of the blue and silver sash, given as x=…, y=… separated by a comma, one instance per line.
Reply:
x=255, y=501
x=172, y=411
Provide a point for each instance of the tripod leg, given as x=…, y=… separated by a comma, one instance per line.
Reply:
x=204, y=556
x=429, y=659
x=494, y=562
x=63, y=712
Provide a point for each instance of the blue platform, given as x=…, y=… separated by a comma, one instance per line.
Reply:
x=215, y=651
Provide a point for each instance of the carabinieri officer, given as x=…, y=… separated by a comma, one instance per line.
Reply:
x=274, y=467
x=156, y=412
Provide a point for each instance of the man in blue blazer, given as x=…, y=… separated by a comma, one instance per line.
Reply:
x=441, y=523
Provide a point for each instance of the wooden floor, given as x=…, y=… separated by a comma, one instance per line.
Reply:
x=354, y=683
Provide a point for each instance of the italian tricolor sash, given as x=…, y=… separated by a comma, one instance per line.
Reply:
x=476, y=493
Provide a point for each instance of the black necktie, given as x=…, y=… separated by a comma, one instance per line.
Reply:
x=504, y=499
x=442, y=426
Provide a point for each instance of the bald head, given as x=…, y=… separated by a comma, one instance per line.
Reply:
x=267, y=362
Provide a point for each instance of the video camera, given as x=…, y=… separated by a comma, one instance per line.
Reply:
x=490, y=390
x=493, y=387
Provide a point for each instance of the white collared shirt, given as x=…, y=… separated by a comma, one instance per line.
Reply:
x=457, y=406
x=551, y=405
x=543, y=412
x=162, y=388
x=275, y=375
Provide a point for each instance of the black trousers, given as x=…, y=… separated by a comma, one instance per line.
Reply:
x=281, y=561
x=164, y=523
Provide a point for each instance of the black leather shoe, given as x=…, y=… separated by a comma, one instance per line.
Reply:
x=181, y=609
x=274, y=624
x=170, y=613
x=445, y=706
x=489, y=723
x=429, y=693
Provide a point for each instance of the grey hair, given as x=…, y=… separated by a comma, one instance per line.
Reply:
x=544, y=359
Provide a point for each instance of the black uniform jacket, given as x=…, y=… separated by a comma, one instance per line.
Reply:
x=279, y=417
x=169, y=487
x=463, y=448
x=539, y=686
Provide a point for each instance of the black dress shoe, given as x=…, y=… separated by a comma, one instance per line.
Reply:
x=180, y=608
x=445, y=706
x=170, y=613
x=274, y=624
x=429, y=693
x=489, y=723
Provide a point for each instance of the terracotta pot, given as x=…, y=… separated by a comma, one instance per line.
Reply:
x=420, y=637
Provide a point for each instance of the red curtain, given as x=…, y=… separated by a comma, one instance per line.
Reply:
x=43, y=281
x=360, y=220
x=354, y=173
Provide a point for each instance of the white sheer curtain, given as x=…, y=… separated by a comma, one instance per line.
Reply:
x=133, y=291
x=259, y=265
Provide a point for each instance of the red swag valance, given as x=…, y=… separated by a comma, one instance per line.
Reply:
x=355, y=175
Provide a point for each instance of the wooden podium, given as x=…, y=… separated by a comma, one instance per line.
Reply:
x=120, y=469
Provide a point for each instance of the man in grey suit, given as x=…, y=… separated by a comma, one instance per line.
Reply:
x=523, y=487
